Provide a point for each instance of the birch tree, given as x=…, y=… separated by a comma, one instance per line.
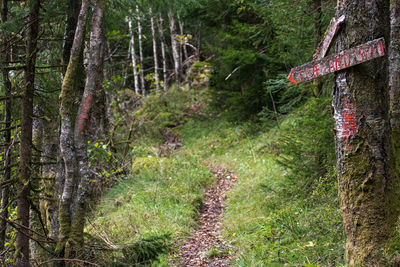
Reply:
x=140, y=36
x=174, y=46
x=155, y=56
x=164, y=59
x=133, y=57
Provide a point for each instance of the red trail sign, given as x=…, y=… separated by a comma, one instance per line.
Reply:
x=336, y=62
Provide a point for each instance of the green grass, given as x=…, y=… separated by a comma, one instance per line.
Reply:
x=282, y=212
x=162, y=197
x=272, y=219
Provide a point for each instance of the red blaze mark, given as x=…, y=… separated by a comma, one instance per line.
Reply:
x=87, y=104
x=349, y=122
x=316, y=69
x=331, y=66
x=347, y=64
x=340, y=64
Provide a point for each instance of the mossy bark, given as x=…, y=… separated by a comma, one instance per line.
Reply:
x=365, y=162
x=67, y=113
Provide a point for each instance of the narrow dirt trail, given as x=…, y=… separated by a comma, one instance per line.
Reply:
x=196, y=250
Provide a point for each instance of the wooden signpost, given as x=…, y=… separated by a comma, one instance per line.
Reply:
x=336, y=62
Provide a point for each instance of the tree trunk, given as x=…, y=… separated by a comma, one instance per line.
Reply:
x=318, y=34
x=24, y=168
x=67, y=113
x=92, y=86
x=141, y=73
x=164, y=59
x=394, y=85
x=7, y=133
x=153, y=33
x=365, y=165
x=174, y=44
x=73, y=7
x=133, y=56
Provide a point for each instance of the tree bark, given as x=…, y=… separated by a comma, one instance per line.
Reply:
x=133, y=57
x=67, y=113
x=7, y=134
x=174, y=44
x=155, y=56
x=367, y=179
x=73, y=7
x=92, y=86
x=164, y=59
x=24, y=168
x=140, y=37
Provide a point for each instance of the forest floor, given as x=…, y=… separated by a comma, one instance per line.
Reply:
x=206, y=247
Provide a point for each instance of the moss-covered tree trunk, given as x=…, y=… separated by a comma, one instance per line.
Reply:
x=365, y=162
x=93, y=84
x=25, y=164
x=67, y=114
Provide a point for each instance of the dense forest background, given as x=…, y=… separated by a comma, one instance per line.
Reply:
x=113, y=112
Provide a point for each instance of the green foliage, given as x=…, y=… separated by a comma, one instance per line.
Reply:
x=146, y=250
x=306, y=145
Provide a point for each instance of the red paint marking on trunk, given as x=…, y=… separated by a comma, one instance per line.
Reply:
x=87, y=104
x=349, y=123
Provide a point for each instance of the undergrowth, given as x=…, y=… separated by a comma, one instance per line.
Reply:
x=282, y=212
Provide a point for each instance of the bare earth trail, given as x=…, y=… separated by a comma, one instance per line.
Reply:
x=195, y=250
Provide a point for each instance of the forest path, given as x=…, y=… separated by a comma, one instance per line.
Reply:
x=205, y=247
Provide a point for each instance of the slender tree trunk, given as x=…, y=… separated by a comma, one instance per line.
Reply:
x=24, y=169
x=67, y=112
x=164, y=59
x=153, y=33
x=133, y=56
x=72, y=13
x=368, y=181
x=92, y=86
x=174, y=44
x=7, y=133
x=73, y=7
x=35, y=214
x=140, y=37
x=181, y=26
